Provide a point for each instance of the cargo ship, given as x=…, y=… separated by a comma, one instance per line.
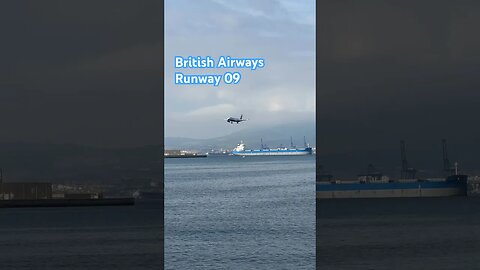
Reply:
x=374, y=184
x=265, y=151
x=454, y=185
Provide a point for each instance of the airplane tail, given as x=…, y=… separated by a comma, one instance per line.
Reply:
x=241, y=116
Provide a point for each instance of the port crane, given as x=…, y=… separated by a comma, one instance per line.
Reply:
x=448, y=169
x=407, y=172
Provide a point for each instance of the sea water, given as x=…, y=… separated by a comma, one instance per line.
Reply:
x=399, y=233
x=230, y=212
x=105, y=237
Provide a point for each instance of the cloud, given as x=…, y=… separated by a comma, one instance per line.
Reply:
x=212, y=111
x=274, y=10
x=286, y=86
x=250, y=8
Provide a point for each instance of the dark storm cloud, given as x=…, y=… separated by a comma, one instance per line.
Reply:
x=389, y=70
x=85, y=72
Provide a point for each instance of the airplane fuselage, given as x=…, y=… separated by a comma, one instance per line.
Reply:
x=232, y=120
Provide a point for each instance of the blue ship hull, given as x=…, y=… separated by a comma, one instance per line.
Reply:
x=452, y=186
x=274, y=152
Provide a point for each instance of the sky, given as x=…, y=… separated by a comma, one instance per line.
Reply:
x=392, y=70
x=283, y=92
x=81, y=72
x=89, y=72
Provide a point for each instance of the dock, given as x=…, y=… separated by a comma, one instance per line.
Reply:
x=183, y=154
x=67, y=202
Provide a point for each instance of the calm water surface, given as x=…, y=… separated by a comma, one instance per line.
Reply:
x=402, y=233
x=109, y=237
x=240, y=213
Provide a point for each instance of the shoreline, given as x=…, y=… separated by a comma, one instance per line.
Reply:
x=67, y=202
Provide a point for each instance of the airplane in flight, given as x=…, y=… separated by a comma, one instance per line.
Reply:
x=231, y=120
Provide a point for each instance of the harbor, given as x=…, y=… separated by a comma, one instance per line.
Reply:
x=183, y=154
x=67, y=202
x=242, y=150
x=43, y=194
